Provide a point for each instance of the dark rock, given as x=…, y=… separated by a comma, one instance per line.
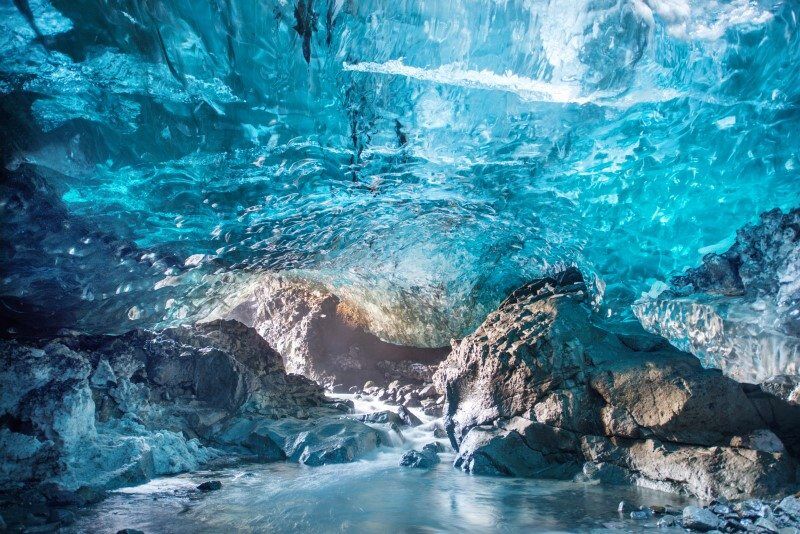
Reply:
x=129, y=531
x=411, y=402
x=210, y=485
x=428, y=392
x=699, y=519
x=407, y=417
x=384, y=417
x=545, y=385
x=424, y=459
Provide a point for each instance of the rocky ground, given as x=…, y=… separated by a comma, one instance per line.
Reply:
x=424, y=396
x=544, y=388
x=84, y=414
x=547, y=388
x=780, y=516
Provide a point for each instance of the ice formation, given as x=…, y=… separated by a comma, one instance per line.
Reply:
x=420, y=158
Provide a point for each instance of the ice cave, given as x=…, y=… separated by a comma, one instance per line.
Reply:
x=399, y=266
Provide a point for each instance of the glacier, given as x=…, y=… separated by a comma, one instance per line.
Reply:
x=419, y=158
x=246, y=242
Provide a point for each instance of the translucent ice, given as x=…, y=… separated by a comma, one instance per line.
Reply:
x=422, y=157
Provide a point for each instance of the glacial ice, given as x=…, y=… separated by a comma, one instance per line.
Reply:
x=423, y=160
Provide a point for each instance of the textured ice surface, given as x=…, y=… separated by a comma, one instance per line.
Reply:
x=740, y=309
x=423, y=157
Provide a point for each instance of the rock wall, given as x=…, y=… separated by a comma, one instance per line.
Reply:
x=545, y=387
x=740, y=310
x=88, y=413
x=319, y=337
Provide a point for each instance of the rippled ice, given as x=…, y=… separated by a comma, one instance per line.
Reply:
x=370, y=495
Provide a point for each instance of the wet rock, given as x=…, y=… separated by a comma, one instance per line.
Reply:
x=384, y=417
x=408, y=417
x=210, y=485
x=641, y=515
x=699, y=519
x=545, y=385
x=129, y=531
x=428, y=392
x=666, y=521
x=515, y=449
x=429, y=407
x=412, y=402
x=424, y=459
x=764, y=524
x=91, y=413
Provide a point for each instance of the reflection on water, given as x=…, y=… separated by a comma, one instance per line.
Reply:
x=371, y=495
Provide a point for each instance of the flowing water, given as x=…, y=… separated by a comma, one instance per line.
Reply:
x=373, y=494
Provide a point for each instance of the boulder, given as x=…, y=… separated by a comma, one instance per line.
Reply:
x=545, y=385
x=425, y=459
x=699, y=519
x=210, y=485
x=383, y=417
x=407, y=417
x=428, y=392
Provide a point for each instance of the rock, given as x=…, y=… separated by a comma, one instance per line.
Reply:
x=515, y=449
x=666, y=521
x=430, y=408
x=428, y=392
x=129, y=531
x=700, y=519
x=324, y=338
x=83, y=413
x=545, y=385
x=765, y=525
x=384, y=417
x=412, y=402
x=791, y=506
x=721, y=509
x=752, y=508
x=424, y=459
x=641, y=515
x=369, y=384
x=210, y=485
x=740, y=310
x=407, y=417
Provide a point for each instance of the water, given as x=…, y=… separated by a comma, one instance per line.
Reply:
x=370, y=495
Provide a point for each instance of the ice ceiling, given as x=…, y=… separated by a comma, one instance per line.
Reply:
x=422, y=157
